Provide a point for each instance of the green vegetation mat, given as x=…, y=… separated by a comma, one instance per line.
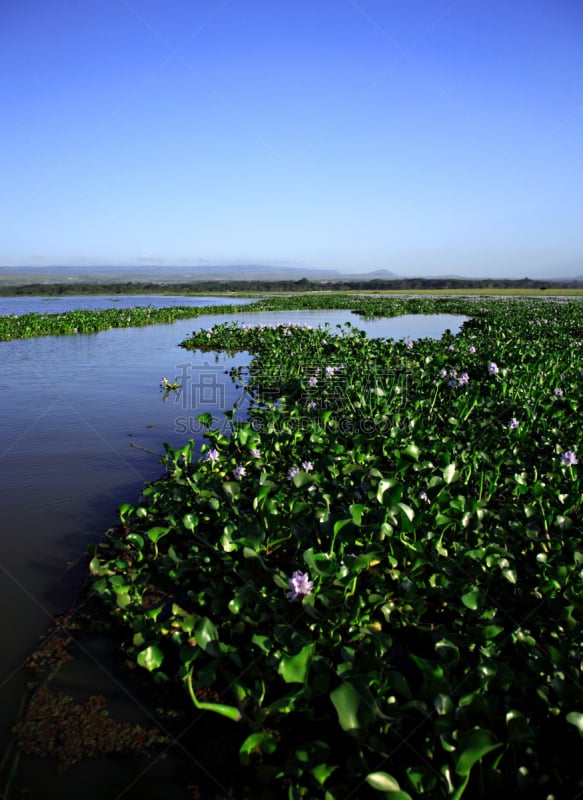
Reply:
x=373, y=587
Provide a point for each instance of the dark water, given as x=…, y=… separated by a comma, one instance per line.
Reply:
x=82, y=426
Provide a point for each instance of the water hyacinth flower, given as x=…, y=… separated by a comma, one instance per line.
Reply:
x=255, y=452
x=312, y=405
x=423, y=496
x=513, y=424
x=472, y=348
x=559, y=392
x=464, y=379
x=313, y=381
x=493, y=368
x=409, y=344
x=329, y=372
x=292, y=473
x=239, y=472
x=307, y=466
x=300, y=585
x=569, y=459
x=212, y=455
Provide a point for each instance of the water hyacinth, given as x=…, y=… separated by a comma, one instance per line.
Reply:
x=212, y=455
x=300, y=585
x=239, y=472
x=569, y=459
x=559, y=392
x=432, y=494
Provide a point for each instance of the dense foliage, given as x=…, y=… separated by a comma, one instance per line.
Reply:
x=206, y=286
x=27, y=326
x=375, y=581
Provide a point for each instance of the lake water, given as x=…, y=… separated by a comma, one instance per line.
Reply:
x=82, y=426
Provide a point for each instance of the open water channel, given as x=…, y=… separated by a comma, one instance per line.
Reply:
x=82, y=427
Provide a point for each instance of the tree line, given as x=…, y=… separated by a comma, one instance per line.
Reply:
x=302, y=285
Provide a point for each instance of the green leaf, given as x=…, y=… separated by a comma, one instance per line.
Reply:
x=473, y=747
x=155, y=534
x=302, y=478
x=382, y=781
x=256, y=743
x=471, y=599
x=356, y=512
x=295, y=669
x=232, y=489
x=412, y=451
x=190, y=521
x=450, y=474
x=354, y=706
x=576, y=719
x=150, y=658
x=207, y=636
x=322, y=772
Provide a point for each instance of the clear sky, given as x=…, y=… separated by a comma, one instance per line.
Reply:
x=425, y=137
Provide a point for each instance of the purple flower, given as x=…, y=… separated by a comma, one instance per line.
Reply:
x=255, y=452
x=292, y=473
x=493, y=368
x=559, y=392
x=299, y=585
x=569, y=458
x=240, y=471
x=464, y=379
x=329, y=371
x=452, y=383
x=212, y=455
x=307, y=466
x=472, y=349
x=443, y=373
x=312, y=405
x=313, y=381
x=513, y=424
x=451, y=347
x=409, y=345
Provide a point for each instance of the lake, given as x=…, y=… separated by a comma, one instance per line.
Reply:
x=82, y=427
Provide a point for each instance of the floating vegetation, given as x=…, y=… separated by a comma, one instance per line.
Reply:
x=372, y=586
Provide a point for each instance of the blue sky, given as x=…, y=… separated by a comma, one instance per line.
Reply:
x=425, y=137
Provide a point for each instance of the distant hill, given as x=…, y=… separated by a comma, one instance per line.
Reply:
x=239, y=272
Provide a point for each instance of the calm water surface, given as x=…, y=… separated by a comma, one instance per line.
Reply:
x=82, y=426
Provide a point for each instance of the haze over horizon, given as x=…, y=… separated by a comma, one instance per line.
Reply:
x=425, y=137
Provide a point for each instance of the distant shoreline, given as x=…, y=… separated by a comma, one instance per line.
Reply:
x=12, y=288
